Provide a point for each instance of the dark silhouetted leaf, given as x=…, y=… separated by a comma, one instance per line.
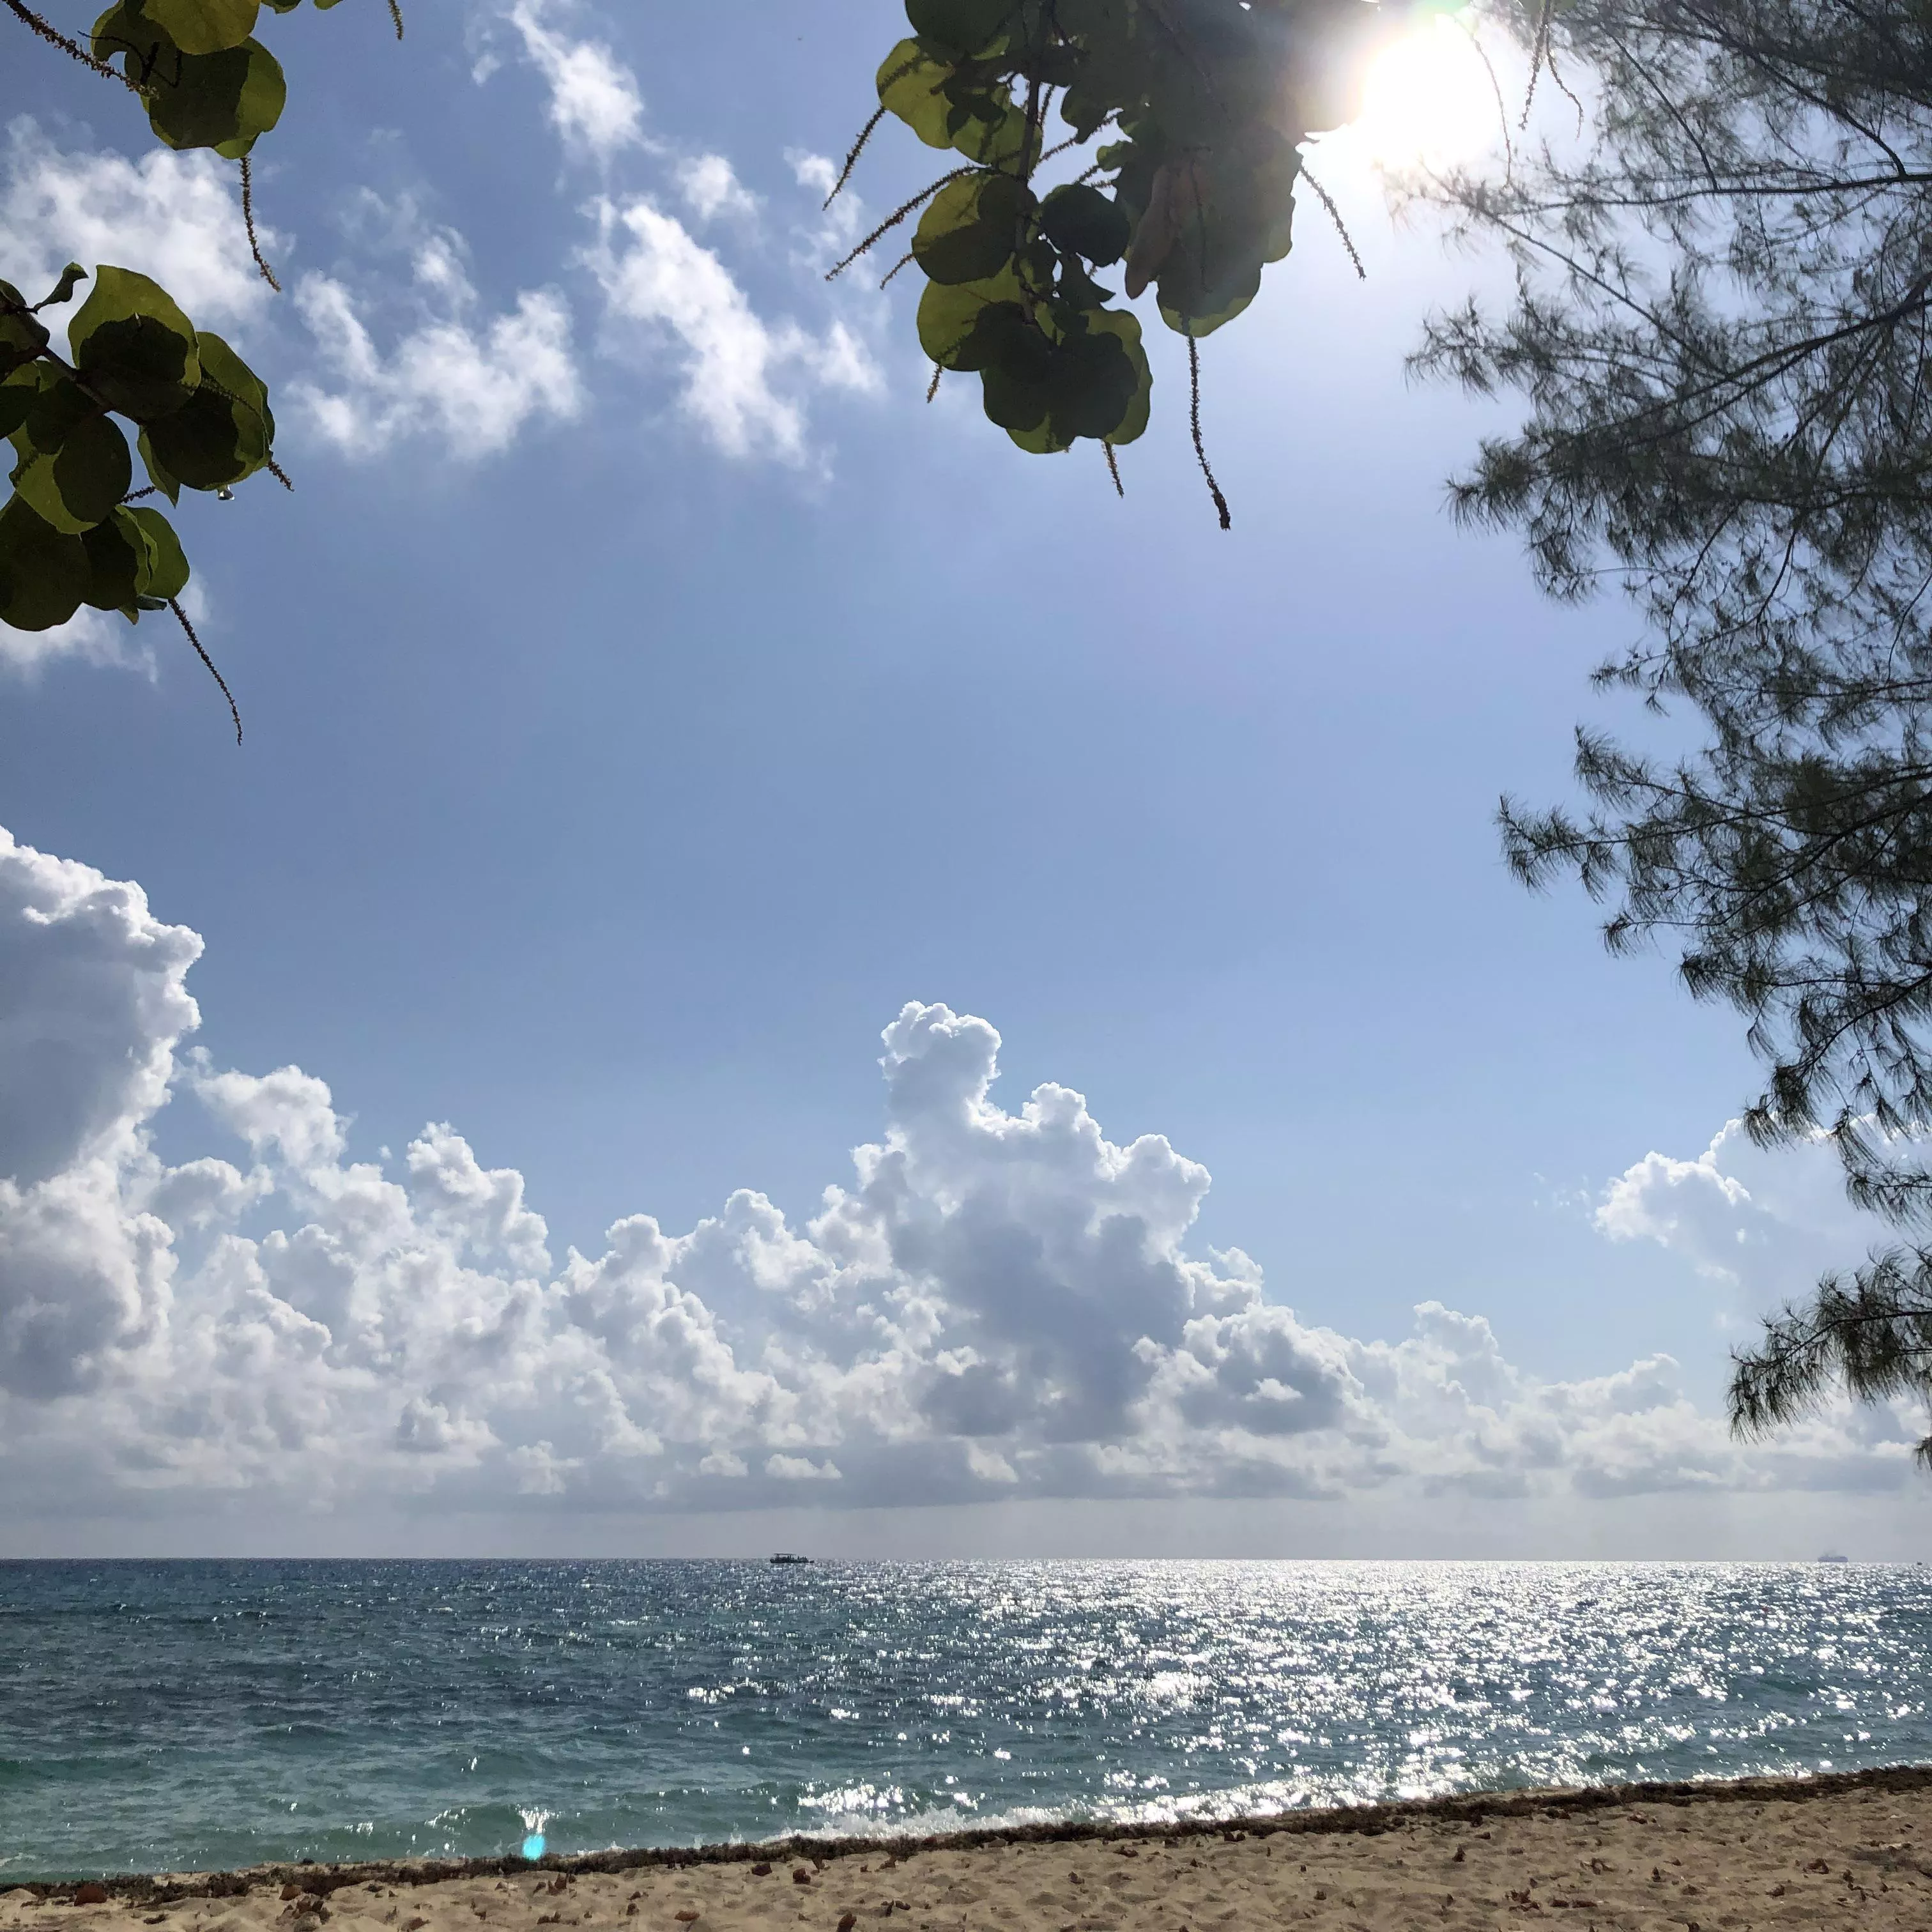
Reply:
x=133, y=347
x=43, y=573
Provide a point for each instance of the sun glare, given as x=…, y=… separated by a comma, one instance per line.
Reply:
x=1428, y=99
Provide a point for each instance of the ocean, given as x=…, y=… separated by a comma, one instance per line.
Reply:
x=199, y=1715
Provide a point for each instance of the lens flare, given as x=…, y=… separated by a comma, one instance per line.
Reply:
x=1428, y=99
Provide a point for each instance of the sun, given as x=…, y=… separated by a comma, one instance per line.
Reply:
x=1428, y=99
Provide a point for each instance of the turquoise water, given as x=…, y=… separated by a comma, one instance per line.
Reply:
x=185, y=1715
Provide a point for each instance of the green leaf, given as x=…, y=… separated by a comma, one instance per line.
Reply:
x=71, y=277
x=221, y=365
x=1246, y=220
x=1082, y=220
x=1125, y=326
x=969, y=230
x=133, y=347
x=117, y=559
x=166, y=572
x=21, y=335
x=55, y=403
x=75, y=486
x=43, y=573
x=203, y=26
x=17, y=395
x=120, y=32
x=949, y=314
x=159, y=475
x=909, y=83
x=1084, y=386
x=225, y=431
x=961, y=26
x=225, y=101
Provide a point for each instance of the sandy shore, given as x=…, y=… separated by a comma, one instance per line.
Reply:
x=1853, y=1851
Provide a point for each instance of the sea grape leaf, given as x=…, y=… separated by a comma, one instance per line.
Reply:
x=117, y=559
x=17, y=392
x=961, y=26
x=133, y=347
x=159, y=474
x=909, y=80
x=1125, y=326
x=946, y=109
x=120, y=31
x=221, y=367
x=203, y=26
x=949, y=314
x=55, y=403
x=971, y=227
x=226, y=100
x=1079, y=218
x=989, y=129
x=23, y=336
x=71, y=277
x=225, y=431
x=44, y=573
x=1244, y=219
x=166, y=571
x=73, y=487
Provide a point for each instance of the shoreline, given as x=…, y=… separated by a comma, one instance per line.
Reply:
x=1562, y=1803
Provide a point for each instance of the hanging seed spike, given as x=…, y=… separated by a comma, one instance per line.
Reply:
x=1539, y=55
x=1562, y=86
x=248, y=222
x=852, y=154
x=1496, y=88
x=181, y=616
x=932, y=387
x=897, y=215
x=895, y=268
x=1194, y=422
x=280, y=475
x=396, y=15
x=72, y=48
x=1341, y=227
x=1113, y=470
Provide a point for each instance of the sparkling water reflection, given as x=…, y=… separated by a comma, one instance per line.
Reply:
x=198, y=1715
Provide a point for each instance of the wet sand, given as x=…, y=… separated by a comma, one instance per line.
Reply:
x=1832, y=1852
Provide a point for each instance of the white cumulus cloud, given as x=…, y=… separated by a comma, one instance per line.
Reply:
x=1764, y=1223
x=998, y=1303
x=469, y=382
x=711, y=187
x=175, y=217
x=745, y=378
x=594, y=101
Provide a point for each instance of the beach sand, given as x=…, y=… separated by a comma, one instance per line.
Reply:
x=1852, y=1851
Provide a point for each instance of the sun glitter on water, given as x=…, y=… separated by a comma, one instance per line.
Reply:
x=1428, y=99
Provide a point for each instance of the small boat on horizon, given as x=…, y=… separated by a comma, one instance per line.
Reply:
x=1834, y=1556
x=786, y=1556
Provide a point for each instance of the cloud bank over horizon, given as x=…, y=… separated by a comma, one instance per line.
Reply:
x=995, y=1304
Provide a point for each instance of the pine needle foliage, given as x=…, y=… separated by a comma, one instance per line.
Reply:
x=1720, y=326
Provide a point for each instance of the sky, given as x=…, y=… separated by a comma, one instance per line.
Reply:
x=771, y=971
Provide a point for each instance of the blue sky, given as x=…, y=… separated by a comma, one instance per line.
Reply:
x=648, y=696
